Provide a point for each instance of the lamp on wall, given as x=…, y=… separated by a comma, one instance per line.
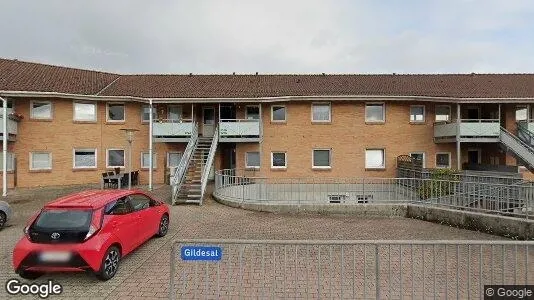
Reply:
x=130, y=132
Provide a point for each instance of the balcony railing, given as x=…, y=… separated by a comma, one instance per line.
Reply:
x=239, y=130
x=172, y=129
x=469, y=128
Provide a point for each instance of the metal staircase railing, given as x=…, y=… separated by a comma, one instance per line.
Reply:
x=519, y=147
x=181, y=170
x=524, y=134
x=209, y=163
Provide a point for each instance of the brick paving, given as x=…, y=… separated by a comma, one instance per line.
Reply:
x=145, y=273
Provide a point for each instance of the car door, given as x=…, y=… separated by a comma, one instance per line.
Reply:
x=147, y=216
x=123, y=223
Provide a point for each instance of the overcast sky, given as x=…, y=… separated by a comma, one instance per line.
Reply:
x=272, y=36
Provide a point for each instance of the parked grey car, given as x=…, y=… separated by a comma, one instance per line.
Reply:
x=5, y=213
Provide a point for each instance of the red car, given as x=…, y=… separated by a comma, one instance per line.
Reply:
x=89, y=231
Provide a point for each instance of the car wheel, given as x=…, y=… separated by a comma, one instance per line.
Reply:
x=30, y=275
x=163, y=226
x=110, y=264
x=3, y=219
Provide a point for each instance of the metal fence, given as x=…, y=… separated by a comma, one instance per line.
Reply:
x=516, y=199
x=277, y=269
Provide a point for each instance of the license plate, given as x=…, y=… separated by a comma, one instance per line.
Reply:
x=55, y=256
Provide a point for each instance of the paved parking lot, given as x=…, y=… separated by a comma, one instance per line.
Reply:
x=145, y=273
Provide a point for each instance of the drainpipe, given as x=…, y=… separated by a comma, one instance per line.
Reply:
x=458, y=150
x=4, y=148
x=150, y=123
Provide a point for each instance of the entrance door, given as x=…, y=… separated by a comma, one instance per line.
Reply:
x=208, y=121
x=473, y=157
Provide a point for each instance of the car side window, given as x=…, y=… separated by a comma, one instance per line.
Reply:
x=139, y=202
x=118, y=207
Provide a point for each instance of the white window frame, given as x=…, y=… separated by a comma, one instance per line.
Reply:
x=84, y=149
x=329, y=112
x=436, y=110
x=169, y=111
x=107, y=158
x=40, y=152
x=168, y=158
x=272, y=113
x=279, y=167
x=259, y=112
x=10, y=157
x=84, y=120
x=436, y=160
x=383, y=104
x=107, y=112
x=424, y=156
x=154, y=112
x=424, y=113
x=42, y=102
x=329, y=158
x=154, y=160
x=383, y=159
x=253, y=167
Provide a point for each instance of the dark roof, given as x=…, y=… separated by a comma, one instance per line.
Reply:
x=26, y=76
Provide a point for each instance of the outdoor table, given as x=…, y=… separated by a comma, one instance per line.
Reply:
x=112, y=178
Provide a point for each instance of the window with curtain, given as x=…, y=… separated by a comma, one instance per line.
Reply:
x=321, y=112
x=374, y=159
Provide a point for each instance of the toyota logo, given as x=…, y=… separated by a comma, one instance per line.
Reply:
x=55, y=235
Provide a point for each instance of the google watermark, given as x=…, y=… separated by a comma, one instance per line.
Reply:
x=43, y=290
x=509, y=292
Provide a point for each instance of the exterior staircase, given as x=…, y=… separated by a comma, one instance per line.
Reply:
x=521, y=146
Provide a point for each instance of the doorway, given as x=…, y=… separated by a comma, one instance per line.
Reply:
x=473, y=113
x=208, y=121
x=473, y=156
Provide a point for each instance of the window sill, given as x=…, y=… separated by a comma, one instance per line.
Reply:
x=252, y=168
x=278, y=122
x=417, y=123
x=84, y=121
x=278, y=168
x=322, y=168
x=115, y=122
x=41, y=171
x=113, y=168
x=321, y=122
x=376, y=169
x=41, y=120
x=84, y=169
x=375, y=122
x=8, y=172
x=147, y=169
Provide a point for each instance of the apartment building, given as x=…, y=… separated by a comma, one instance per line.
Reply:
x=64, y=124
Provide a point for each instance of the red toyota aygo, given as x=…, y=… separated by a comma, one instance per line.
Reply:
x=89, y=231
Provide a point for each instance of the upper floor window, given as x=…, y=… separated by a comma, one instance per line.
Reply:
x=521, y=113
x=145, y=115
x=253, y=112
x=174, y=112
x=321, y=112
x=84, y=158
x=115, y=112
x=443, y=113
x=375, y=112
x=278, y=113
x=84, y=111
x=41, y=110
x=40, y=160
x=417, y=113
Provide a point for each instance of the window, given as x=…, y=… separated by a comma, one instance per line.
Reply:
x=278, y=113
x=84, y=158
x=115, y=112
x=417, y=113
x=443, y=113
x=139, y=202
x=174, y=112
x=119, y=207
x=321, y=112
x=443, y=160
x=521, y=113
x=10, y=162
x=419, y=156
x=173, y=159
x=253, y=112
x=41, y=110
x=321, y=158
x=40, y=161
x=145, y=117
x=494, y=160
x=115, y=158
x=375, y=112
x=252, y=160
x=145, y=157
x=278, y=160
x=84, y=111
x=375, y=159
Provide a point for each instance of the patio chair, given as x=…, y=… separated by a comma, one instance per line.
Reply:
x=107, y=182
x=117, y=171
x=124, y=180
x=135, y=178
x=111, y=173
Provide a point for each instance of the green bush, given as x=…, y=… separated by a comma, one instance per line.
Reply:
x=438, y=184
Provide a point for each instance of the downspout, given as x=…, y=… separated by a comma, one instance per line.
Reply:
x=4, y=148
x=150, y=150
x=458, y=135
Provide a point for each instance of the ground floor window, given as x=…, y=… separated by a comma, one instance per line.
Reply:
x=115, y=158
x=10, y=162
x=40, y=161
x=375, y=159
x=173, y=159
x=443, y=160
x=321, y=158
x=278, y=160
x=419, y=156
x=252, y=160
x=145, y=160
x=84, y=158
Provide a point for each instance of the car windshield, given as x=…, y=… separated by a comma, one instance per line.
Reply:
x=63, y=219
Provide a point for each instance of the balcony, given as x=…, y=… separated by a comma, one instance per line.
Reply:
x=12, y=128
x=239, y=130
x=470, y=130
x=172, y=130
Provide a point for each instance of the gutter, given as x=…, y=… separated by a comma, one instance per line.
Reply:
x=4, y=147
